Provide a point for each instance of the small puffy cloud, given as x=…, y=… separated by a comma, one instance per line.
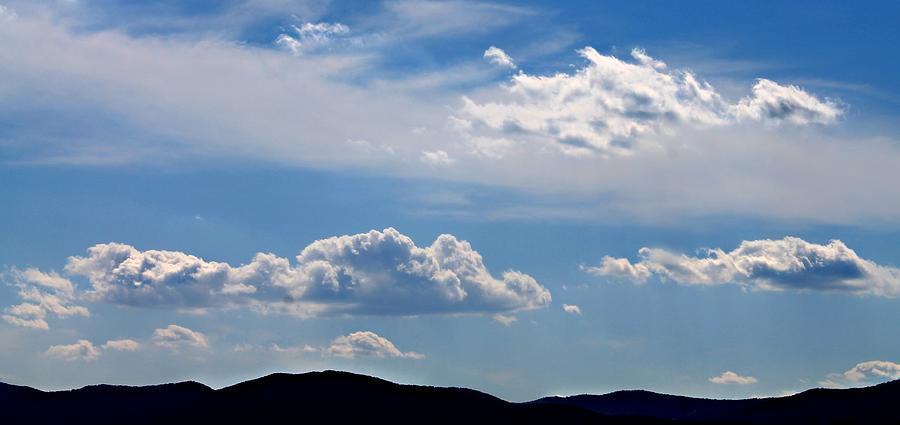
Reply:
x=305, y=348
x=865, y=373
x=505, y=319
x=174, y=336
x=498, y=57
x=50, y=280
x=81, y=350
x=122, y=345
x=43, y=294
x=771, y=101
x=369, y=273
x=609, y=105
x=437, y=157
x=367, y=344
x=731, y=378
x=572, y=309
x=310, y=33
x=789, y=263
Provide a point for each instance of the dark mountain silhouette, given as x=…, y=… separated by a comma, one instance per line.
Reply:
x=341, y=397
x=871, y=405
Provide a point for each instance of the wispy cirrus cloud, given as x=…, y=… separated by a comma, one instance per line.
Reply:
x=206, y=96
x=498, y=57
x=309, y=35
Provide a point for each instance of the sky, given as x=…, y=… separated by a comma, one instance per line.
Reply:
x=528, y=199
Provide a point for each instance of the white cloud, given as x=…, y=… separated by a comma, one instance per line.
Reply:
x=204, y=96
x=572, y=309
x=44, y=294
x=305, y=348
x=498, y=57
x=729, y=377
x=6, y=13
x=644, y=59
x=773, y=102
x=438, y=157
x=789, y=263
x=121, y=274
x=505, y=319
x=122, y=345
x=174, y=336
x=386, y=272
x=367, y=344
x=610, y=105
x=368, y=273
x=310, y=34
x=865, y=373
x=81, y=350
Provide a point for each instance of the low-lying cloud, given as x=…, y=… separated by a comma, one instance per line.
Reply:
x=865, y=373
x=367, y=344
x=80, y=350
x=373, y=273
x=775, y=265
x=44, y=294
x=731, y=378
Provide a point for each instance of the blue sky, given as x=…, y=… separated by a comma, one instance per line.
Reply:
x=751, y=148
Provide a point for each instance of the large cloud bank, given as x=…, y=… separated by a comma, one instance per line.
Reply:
x=374, y=273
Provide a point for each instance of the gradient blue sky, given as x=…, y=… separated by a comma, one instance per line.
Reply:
x=190, y=128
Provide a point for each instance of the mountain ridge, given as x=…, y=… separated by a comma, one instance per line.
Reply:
x=337, y=396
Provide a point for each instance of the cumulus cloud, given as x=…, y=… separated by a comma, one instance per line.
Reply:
x=498, y=57
x=121, y=274
x=81, y=350
x=379, y=272
x=786, y=264
x=122, y=345
x=610, y=104
x=367, y=344
x=865, y=373
x=572, y=309
x=174, y=336
x=771, y=101
x=43, y=294
x=731, y=378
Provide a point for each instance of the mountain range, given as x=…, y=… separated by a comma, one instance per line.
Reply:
x=342, y=397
